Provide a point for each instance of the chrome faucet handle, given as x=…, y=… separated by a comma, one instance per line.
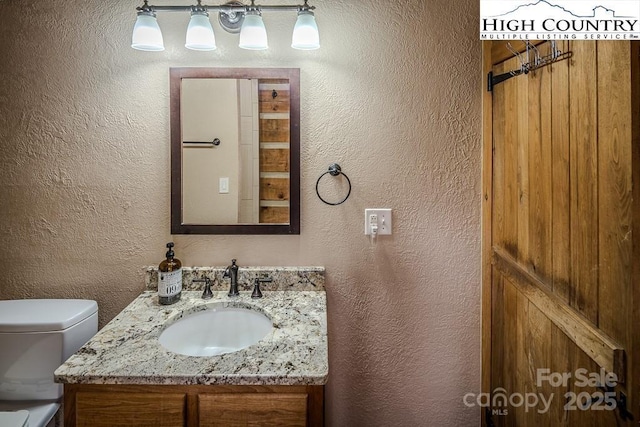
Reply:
x=257, y=293
x=207, y=294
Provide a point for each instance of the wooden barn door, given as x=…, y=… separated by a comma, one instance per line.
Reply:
x=561, y=239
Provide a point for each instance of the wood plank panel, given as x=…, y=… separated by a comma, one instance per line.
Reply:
x=522, y=142
x=274, y=189
x=267, y=103
x=267, y=95
x=274, y=81
x=614, y=191
x=250, y=409
x=522, y=344
x=511, y=176
x=493, y=315
x=510, y=337
x=499, y=381
x=561, y=347
x=497, y=331
x=539, y=329
x=561, y=195
x=634, y=371
x=274, y=160
x=539, y=144
x=274, y=130
x=498, y=147
x=273, y=106
x=584, y=184
x=274, y=215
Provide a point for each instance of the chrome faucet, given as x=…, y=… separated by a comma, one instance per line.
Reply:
x=231, y=272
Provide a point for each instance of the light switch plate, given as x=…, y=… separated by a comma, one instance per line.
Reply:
x=378, y=217
x=224, y=185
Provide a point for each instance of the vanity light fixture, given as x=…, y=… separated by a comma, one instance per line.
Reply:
x=233, y=17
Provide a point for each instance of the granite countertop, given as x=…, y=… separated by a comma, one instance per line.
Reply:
x=127, y=351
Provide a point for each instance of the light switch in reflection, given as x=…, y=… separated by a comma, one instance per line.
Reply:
x=224, y=185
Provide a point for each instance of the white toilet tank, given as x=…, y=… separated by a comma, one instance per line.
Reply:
x=36, y=337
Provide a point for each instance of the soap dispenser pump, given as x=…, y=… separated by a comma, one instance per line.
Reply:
x=169, y=278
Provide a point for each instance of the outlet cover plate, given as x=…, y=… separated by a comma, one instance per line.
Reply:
x=383, y=217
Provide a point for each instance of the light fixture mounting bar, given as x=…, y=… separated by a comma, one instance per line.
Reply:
x=225, y=8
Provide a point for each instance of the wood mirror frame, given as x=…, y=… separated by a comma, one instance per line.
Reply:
x=176, y=76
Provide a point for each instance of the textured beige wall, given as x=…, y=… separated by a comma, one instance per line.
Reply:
x=392, y=95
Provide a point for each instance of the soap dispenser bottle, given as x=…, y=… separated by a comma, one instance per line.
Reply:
x=169, y=278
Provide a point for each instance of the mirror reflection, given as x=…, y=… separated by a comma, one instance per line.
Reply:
x=235, y=157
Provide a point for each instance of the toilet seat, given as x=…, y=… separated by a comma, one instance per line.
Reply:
x=14, y=419
x=38, y=413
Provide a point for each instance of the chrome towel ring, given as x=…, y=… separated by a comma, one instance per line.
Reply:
x=334, y=170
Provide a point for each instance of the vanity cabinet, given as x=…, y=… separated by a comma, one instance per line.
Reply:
x=192, y=405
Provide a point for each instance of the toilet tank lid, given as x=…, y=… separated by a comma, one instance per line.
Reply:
x=44, y=315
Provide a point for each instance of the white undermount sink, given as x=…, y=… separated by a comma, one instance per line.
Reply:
x=216, y=330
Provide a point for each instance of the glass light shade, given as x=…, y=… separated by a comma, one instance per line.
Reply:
x=146, y=33
x=253, y=34
x=305, y=32
x=200, y=33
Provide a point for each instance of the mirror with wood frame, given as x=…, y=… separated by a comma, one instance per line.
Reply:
x=235, y=150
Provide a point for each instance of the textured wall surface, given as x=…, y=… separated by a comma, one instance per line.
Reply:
x=392, y=96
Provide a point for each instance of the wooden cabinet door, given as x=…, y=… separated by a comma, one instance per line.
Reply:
x=252, y=409
x=561, y=240
x=95, y=409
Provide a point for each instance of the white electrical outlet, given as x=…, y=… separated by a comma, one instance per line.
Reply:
x=377, y=221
